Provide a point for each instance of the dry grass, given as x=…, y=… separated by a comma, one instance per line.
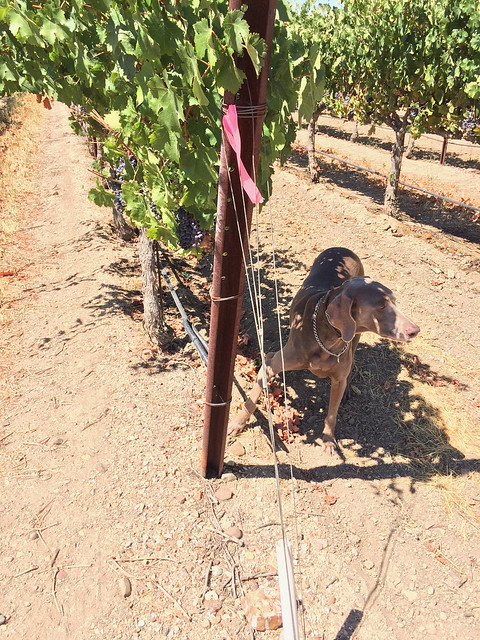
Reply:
x=433, y=413
x=18, y=144
x=442, y=433
x=20, y=119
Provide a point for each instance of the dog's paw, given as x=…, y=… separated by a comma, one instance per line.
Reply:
x=235, y=428
x=329, y=446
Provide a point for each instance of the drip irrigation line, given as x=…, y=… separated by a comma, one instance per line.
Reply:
x=403, y=184
x=197, y=339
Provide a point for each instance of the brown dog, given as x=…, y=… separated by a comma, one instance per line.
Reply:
x=335, y=304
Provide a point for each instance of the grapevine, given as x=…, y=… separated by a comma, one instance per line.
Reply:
x=409, y=65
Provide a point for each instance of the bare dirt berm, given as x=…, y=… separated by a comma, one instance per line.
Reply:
x=107, y=528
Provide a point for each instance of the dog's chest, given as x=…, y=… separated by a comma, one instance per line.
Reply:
x=324, y=365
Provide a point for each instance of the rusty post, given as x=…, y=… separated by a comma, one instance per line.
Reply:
x=230, y=237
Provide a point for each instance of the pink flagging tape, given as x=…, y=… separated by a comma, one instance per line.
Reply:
x=230, y=126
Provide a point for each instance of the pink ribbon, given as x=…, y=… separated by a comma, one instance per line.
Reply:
x=230, y=126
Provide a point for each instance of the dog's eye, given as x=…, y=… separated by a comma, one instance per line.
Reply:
x=383, y=305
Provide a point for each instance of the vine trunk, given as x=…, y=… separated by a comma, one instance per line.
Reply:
x=390, y=200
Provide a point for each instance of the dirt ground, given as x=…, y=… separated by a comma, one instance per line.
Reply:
x=100, y=435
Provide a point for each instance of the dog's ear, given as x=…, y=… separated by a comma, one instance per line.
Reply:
x=339, y=314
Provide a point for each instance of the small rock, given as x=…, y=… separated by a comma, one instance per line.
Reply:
x=223, y=493
x=320, y=544
x=229, y=477
x=214, y=605
x=211, y=595
x=237, y=449
x=34, y=535
x=451, y=274
x=126, y=587
x=368, y=564
x=234, y=532
x=217, y=571
x=410, y=595
x=263, y=611
x=141, y=623
x=3, y=619
x=58, y=441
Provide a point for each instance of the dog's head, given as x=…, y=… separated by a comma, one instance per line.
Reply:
x=365, y=305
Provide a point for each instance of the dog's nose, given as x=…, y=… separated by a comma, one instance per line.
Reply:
x=412, y=330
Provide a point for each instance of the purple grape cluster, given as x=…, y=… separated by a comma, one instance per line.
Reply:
x=116, y=184
x=155, y=211
x=470, y=126
x=188, y=230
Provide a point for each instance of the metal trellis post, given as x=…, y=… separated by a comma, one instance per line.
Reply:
x=230, y=237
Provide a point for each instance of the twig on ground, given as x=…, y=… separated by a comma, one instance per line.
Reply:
x=207, y=580
x=54, y=557
x=147, y=558
x=90, y=424
x=38, y=521
x=175, y=601
x=22, y=573
x=227, y=537
x=116, y=567
x=54, y=592
x=261, y=574
x=268, y=524
x=37, y=529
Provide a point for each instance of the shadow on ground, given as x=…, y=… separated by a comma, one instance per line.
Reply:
x=421, y=208
x=386, y=429
x=421, y=154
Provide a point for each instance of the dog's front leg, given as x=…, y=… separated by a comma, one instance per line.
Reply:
x=239, y=422
x=336, y=394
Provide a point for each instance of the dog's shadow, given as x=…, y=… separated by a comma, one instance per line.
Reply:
x=386, y=420
x=386, y=428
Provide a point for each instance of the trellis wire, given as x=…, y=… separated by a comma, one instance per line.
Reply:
x=424, y=135
x=471, y=207
x=289, y=588
x=258, y=321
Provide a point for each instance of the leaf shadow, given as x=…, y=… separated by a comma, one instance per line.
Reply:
x=418, y=207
